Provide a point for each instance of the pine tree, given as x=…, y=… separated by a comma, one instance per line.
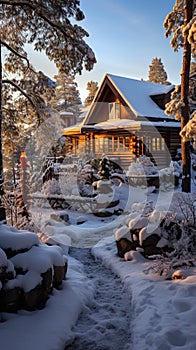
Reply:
x=157, y=73
x=47, y=25
x=67, y=97
x=92, y=87
x=104, y=169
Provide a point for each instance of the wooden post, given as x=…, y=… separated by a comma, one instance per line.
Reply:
x=186, y=160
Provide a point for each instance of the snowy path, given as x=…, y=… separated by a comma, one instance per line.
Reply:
x=105, y=323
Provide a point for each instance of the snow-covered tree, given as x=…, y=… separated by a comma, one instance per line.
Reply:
x=157, y=73
x=48, y=25
x=104, y=169
x=173, y=107
x=180, y=23
x=67, y=97
x=188, y=133
x=17, y=201
x=92, y=87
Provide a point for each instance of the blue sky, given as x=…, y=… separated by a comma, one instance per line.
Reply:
x=125, y=36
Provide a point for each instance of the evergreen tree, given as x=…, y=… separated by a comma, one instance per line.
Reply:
x=157, y=73
x=92, y=87
x=104, y=169
x=174, y=106
x=47, y=25
x=67, y=97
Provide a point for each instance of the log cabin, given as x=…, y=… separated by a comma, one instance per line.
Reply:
x=125, y=120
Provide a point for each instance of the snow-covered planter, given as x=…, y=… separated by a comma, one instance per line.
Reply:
x=29, y=270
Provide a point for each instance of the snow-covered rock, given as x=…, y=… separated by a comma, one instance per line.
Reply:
x=29, y=269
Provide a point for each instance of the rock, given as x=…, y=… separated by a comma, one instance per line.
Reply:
x=151, y=240
x=47, y=281
x=149, y=245
x=103, y=213
x=11, y=299
x=11, y=252
x=59, y=275
x=35, y=298
x=81, y=220
x=179, y=275
x=64, y=217
x=124, y=245
x=55, y=216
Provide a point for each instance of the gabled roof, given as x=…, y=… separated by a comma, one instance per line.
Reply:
x=137, y=95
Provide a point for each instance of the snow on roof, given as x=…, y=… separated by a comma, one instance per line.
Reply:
x=74, y=129
x=137, y=94
x=130, y=124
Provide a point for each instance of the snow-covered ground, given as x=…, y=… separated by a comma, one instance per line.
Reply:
x=163, y=312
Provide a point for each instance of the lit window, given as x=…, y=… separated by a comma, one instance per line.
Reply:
x=114, y=110
x=158, y=144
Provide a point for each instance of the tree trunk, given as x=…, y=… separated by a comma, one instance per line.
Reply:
x=186, y=159
x=2, y=210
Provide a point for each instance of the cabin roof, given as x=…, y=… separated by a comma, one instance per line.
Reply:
x=137, y=95
x=126, y=124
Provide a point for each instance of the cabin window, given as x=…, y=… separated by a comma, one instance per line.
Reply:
x=148, y=143
x=114, y=110
x=109, y=144
x=112, y=144
x=154, y=143
x=158, y=144
x=115, y=143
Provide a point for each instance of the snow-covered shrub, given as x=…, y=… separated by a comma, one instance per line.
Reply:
x=86, y=177
x=170, y=176
x=142, y=166
x=187, y=205
x=68, y=179
x=51, y=187
x=180, y=232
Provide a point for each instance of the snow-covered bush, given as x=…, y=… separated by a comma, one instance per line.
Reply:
x=181, y=236
x=170, y=176
x=142, y=166
x=68, y=179
x=51, y=187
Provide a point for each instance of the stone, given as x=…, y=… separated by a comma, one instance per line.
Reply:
x=149, y=245
x=59, y=275
x=11, y=299
x=11, y=253
x=35, y=298
x=47, y=280
x=124, y=246
x=64, y=217
x=151, y=240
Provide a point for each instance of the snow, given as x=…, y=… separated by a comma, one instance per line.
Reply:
x=136, y=91
x=9, y=238
x=129, y=124
x=3, y=258
x=163, y=312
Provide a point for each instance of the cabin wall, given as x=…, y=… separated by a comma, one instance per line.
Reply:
x=124, y=148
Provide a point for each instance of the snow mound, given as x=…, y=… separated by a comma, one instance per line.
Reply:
x=11, y=238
